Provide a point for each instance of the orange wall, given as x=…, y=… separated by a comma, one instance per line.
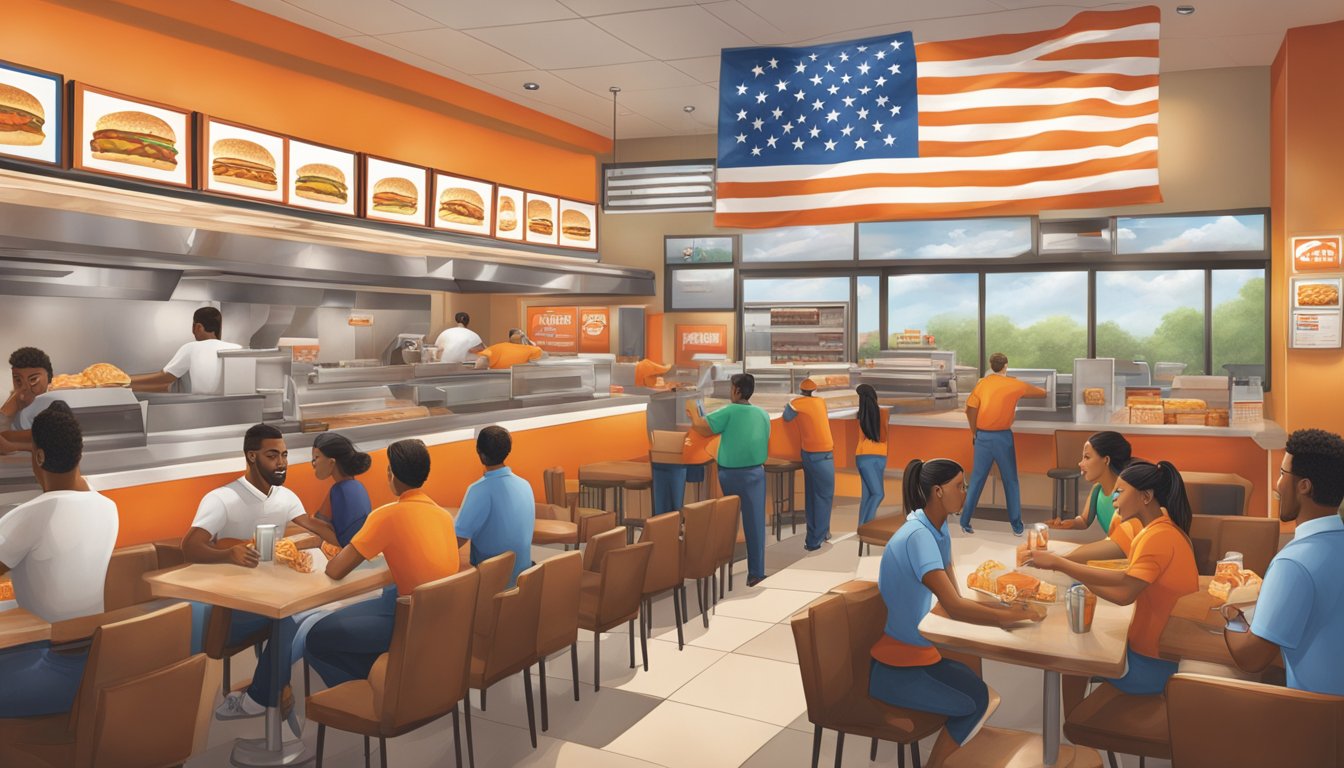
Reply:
x=236, y=63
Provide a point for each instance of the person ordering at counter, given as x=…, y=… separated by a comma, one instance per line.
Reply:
x=55, y=548
x=814, y=427
x=506, y=354
x=198, y=358
x=31, y=372
x=990, y=410
x=499, y=512
x=459, y=344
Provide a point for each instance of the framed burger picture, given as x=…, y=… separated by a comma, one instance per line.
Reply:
x=463, y=204
x=540, y=210
x=32, y=114
x=123, y=136
x=241, y=161
x=508, y=213
x=396, y=192
x=578, y=225
x=322, y=178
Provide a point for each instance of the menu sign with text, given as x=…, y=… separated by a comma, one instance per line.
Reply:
x=1321, y=253
x=594, y=329
x=554, y=329
x=700, y=339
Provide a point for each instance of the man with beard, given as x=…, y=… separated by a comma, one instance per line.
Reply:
x=226, y=520
x=1298, y=614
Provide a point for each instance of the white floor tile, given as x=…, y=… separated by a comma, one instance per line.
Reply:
x=682, y=736
x=725, y=633
x=763, y=604
x=800, y=579
x=775, y=643
x=761, y=689
x=669, y=668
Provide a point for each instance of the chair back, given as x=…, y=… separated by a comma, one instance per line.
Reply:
x=727, y=519
x=429, y=659
x=1217, y=493
x=169, y=553
x=622, y=587
x=866, y=613
x=821, y=636
x=125, y=584
x=547, y=511
x=698, y=553
x=558, y=624
x=1217, y=721
x=599, y=545
x=553, y=484
x=149, y=719
x=494, y=578
x=664, y=533
x=1069, y=446
x=1212, y=536
x=513, y=641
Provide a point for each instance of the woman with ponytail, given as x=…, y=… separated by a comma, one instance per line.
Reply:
x=347, y=503
x=907, y=670
x=871, y=455
x=1161, y=568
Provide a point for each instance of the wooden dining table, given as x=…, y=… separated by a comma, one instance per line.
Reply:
x=20, y=627
x=1195, y=630
x=618, y=473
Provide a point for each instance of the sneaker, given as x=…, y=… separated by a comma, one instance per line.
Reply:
x=811, y=549
x=1018, y=532
x=754, y=582
x=968, y=530
x=238, y=706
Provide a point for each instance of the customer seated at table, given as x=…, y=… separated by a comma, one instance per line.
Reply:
x=1105, y=456
x=55, y=548
x=1300, y=613
x=907, y=670
x=226, y=521
x=499, y=510
x=1161, y=569
x=347, y=502
x=416, y=537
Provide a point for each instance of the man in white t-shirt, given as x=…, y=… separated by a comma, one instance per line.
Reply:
x=226, y=520
x=199, y=358
x=31, y=373
x=459, y=344
x=56, y=549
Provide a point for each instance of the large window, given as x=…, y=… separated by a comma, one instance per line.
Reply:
x=1238, y=318
x=1037, y=319
x=1190, y=234
x=945, y=239
x=1155, y=316
x=868, y=320
x=946, y=307
x=784, y=290
x=700, y=289
x=828, y=243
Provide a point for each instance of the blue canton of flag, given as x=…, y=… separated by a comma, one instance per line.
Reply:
x=821, y=104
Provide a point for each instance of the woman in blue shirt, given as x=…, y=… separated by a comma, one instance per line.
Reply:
x=907, y=670
x=347, y=503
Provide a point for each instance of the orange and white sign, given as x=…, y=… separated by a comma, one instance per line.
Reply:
x=700, y=339
x=594, y=329
x=1321, y=253
x=554, y=329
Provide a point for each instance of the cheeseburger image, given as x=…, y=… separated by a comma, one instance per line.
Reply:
x=135, y=138
x=508, y=215
x=539, y=217
x=462, y=206
x=243, y=163
x=21, y=117
x=575, y=225
x=396, y=195
x=321, y=182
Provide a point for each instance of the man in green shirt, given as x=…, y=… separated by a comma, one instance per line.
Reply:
x=744, y=432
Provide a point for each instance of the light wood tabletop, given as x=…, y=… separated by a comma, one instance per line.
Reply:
x=20, y=627
x=617, y=471
x=271, y=589
x=1195, y=630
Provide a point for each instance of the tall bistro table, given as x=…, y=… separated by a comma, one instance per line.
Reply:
x=1049, y=645
x=276, y=591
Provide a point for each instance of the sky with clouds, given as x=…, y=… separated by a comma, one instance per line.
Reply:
x=955, y=239
x=1176, y=234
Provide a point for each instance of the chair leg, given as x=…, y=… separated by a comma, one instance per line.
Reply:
x=382, y=752
x=1111, y=757
x=700, y=598
x=366, y=752
x=914, y=754
x=471, y=746
x=307, y=678
x=872, y=751
x=676, y=612
x=483, y=699
x=541, y=678
x=816, y=743
x=227, y=676
x=632, y=640
x=730, y=575
x=457, y=737
x=597, y=660
x=900, y=755
x=531, y=713
x=574, y=667
x=1141, y=761
x=644, y=647
x=321, y=742
x=839, y=747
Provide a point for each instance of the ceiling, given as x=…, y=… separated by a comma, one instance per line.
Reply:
x=664, y=54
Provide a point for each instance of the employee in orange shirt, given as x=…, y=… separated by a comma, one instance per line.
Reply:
x=871, y=454
x=647, y=372
x=506, y=354
x=814, y=426
x=990, y=410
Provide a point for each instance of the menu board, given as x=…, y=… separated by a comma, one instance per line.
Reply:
x=463, y=204
x=508, y=213
x=241, y=161
x=1316, y=330
x=396, y=192
x=540, y=211
x=1321, y=253
x=700, y=339
x=33, y=111
x=322, y=178
x=578, y=225
x=123, y=136
x=554, y=329
x=595, y=329
x=1317, y=309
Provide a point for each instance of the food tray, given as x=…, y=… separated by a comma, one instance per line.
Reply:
x=998, y=599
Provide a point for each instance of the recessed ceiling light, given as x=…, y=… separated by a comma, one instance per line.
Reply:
x=1185, y=10
x=688, y=109
x=531, y=86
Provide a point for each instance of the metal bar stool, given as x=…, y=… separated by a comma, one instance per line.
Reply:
x=593, y=493
x=781, y=478
x=1065, y=475
x=622, y=488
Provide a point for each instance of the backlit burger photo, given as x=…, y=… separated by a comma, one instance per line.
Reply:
x=21, y=118
x=575, y=225
x=460, y=205
x=397, y=196
x=508, y=215
x=539, y=217
x=243, y=163
x=136, y=138
x=321, y=182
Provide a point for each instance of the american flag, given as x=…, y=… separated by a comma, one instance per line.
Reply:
x=885, y=128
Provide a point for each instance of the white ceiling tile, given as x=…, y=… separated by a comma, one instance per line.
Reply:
x=560, y=44
x=464, y=15
x=1184, y=57
x=748, y=22
x=665, y=104
x=599, y=7
x=553, y=92
x=670, y=33
x=392, y=51
x=702, y=68
x=637, y=76
x=1250, y=50
x=368, y=17
x=640, y=127
x=806, y=21
x=299, y=16
x=456, y=49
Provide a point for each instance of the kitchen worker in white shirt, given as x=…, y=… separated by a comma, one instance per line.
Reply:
x=200, y=358
x=56, y=549
x=459, y=344
x=225, y=523
x=30, y=370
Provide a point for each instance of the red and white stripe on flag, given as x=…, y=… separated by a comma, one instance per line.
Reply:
x=1009, y=124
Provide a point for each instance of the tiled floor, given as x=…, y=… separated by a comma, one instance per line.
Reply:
x=732, y=697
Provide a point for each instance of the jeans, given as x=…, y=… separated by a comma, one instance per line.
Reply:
x=945, y=688
x=819, y=491
x=994, y=447
x=1144, y=675
x=669, y=487
x=263, y=690
x=343, y=645
x=872, y=469
x=748, y=483
x=37, y=681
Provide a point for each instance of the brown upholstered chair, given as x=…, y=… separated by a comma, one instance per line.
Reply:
x=1212, y=536
x=833, y=637
x=1217, y=722
x=421, y=678
x=137, y=701
x=1118, y=722
x=125, y=584
x=558, y=624
x=565, y=493
x=664, y=573
x=612, y=596
x=727, y=533
x=557, y=525
x=698, y=556
x=878, y=531
x=1217, y=493
x=511, y=642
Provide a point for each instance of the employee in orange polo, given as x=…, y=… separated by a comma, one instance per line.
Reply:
x=990, y=410
x=507, y=354
x=814, y=427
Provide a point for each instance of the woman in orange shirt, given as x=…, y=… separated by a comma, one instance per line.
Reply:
x=871, y=455
x=1161, y=569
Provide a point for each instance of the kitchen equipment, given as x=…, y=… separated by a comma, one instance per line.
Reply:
x=404, y=349
x=430, y=353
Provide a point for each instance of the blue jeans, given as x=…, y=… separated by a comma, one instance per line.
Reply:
x=669, y=487
x=994, y=447
x=819, y=492
x=945, y=688
x=872, y=469
x=343, y=645
x=36, y=681
x=748, y=483
x=263, y=689
x=1144, y=675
